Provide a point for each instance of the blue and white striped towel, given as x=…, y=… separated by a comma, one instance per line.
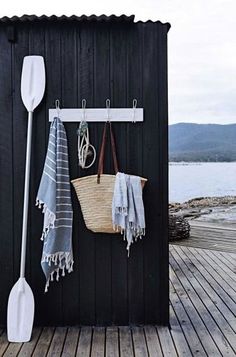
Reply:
x=54, y=197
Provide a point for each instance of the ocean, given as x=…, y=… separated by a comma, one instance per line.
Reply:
x=191, y=180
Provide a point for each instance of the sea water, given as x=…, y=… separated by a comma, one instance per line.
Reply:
x=191, y=180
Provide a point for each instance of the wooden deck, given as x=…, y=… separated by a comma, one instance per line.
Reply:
x=211, y=236
x=202, y=318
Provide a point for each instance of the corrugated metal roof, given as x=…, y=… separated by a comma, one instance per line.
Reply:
x=91, y=18
x=101, y=18
x=155, y=22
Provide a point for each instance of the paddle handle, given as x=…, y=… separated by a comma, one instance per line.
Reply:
x=26, y=195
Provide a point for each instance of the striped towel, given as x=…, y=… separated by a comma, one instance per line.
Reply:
x=54, y=197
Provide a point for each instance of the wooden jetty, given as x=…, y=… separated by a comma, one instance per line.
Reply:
x=216, y=236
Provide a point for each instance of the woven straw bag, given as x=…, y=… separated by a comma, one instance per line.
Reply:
x=95, y=192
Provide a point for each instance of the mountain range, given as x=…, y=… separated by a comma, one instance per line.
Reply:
x=202, y=142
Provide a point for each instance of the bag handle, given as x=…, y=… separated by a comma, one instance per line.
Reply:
x=102, y=152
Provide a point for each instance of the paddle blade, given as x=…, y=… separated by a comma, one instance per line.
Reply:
x=20, y=312
x=32, y=81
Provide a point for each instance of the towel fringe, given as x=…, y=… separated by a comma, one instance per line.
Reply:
x=51, y=217
x=63, y=260
x=136, y=233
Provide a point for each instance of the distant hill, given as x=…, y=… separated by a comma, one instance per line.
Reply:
x=202, y=142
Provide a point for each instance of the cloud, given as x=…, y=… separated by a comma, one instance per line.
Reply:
x=202, y=64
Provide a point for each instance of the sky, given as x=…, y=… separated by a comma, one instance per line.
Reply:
x=201, y=48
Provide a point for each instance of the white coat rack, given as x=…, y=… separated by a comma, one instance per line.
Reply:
x=98, y=114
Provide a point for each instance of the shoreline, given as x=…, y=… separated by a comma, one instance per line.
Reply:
x=199, y=162
x=208, y=209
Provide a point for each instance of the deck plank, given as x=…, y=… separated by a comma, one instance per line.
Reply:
x=12, y=349
x=178, y=337
x=98, y=342
x=28, y=348
x=214, y=272
x=196, y=316
x=112, y=344
x=44, y=341
x=57, y=342
x=3, y=342
x=219, y=262
x=203, y=281
x=188, y=329
x=209, y=312
x=202, y=318
x=231, y=260
x=166, y=341
x=140, y=347
x=210, y=236
x=126, y=346
x=227, y=263
x=218, y=268
x=85, y=341
x=214, y=280
x=71, y=341
x=153, y=343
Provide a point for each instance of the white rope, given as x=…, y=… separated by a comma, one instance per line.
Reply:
x=85, y=149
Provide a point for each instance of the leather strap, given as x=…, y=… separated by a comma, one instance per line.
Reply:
x=102, y=151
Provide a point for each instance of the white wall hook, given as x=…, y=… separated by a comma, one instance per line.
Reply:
x=134, y=109
x=57, y=105
x=84, y=108
x=108, y=105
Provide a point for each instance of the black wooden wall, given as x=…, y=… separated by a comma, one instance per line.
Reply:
x=92, y=60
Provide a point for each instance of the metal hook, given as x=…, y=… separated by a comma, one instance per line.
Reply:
x=84, y=108
x=57, y=105
x=108, y=104
x=134, y=109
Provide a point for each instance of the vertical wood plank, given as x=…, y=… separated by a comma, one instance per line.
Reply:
x=102, y=241
x=135, y=166
x=69, y=99
x=20, y=122
x=163, y=241
x=118, y=79
x=86, y=239
x=151, y=167
x=39, y=144
x=6, y=169
x=52, y=300
x=155, y=246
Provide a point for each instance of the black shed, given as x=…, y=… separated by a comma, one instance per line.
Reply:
x=94, y=57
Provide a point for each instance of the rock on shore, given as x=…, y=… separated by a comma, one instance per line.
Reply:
x=199, y=206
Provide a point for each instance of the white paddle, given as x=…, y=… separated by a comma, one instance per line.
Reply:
x=20, y=310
